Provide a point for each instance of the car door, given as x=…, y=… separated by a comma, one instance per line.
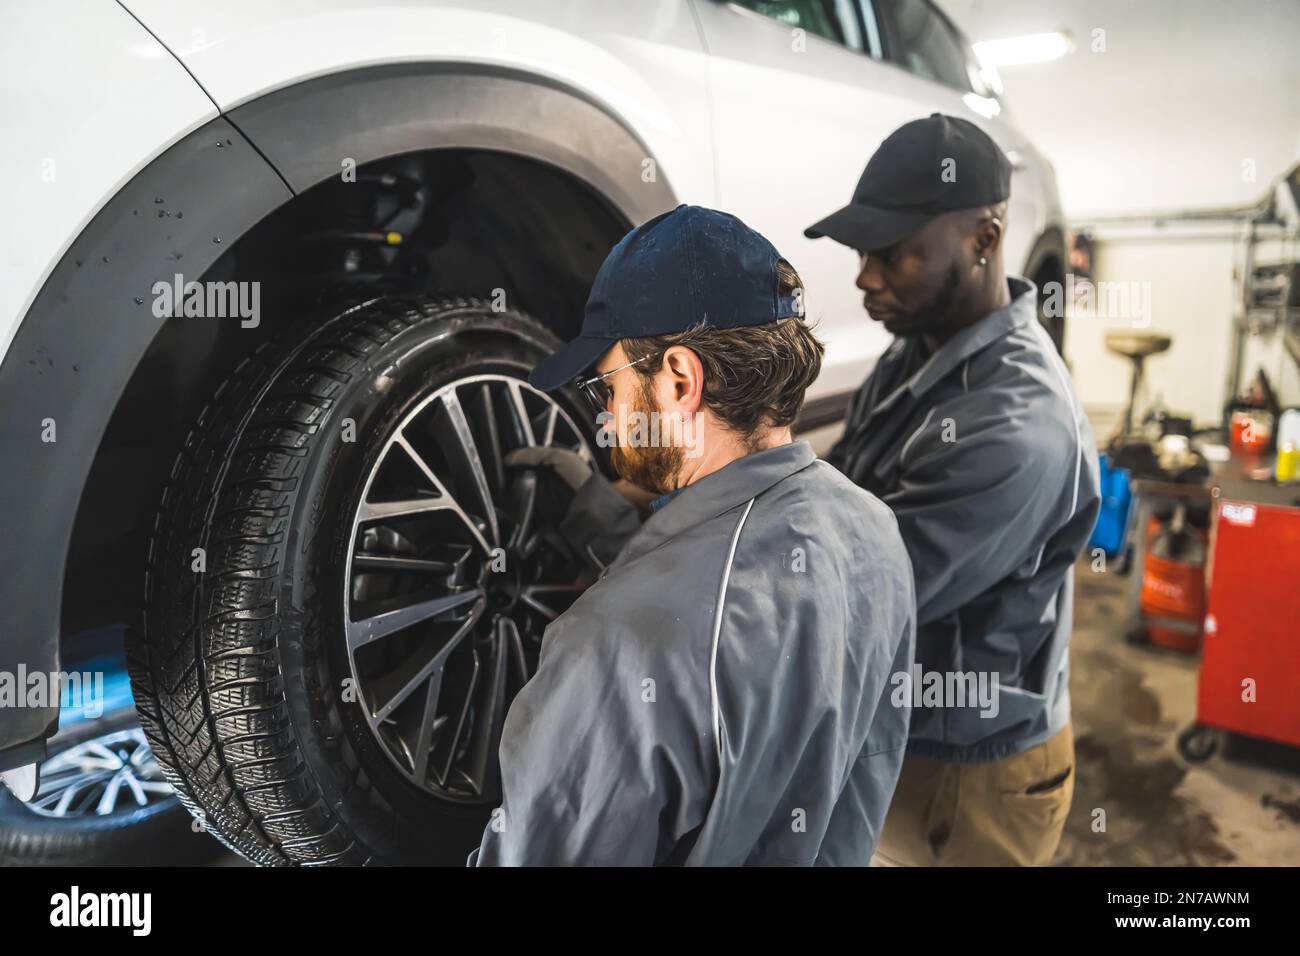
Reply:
x=939, y=65
x=803, y=91
x=801, y=98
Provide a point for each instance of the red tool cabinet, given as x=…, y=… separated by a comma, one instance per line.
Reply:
x=1252, y=625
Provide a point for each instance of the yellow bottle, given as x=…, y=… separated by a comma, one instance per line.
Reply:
x=1288, y=460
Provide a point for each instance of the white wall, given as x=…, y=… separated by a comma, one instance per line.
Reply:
x=1191, y=299
x=1166, y=118
x=1185, y=92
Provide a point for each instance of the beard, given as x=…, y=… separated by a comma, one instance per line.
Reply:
x=654, y=468
x=934, y=315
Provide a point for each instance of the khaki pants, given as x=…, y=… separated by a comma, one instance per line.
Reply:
x=1008, y=812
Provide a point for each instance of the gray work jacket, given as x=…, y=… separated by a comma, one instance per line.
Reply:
x=985, y=457
x=721, y=695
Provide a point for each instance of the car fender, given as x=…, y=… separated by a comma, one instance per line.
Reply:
x=641, y=63
x=93, y=320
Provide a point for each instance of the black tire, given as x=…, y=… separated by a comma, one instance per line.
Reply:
x=158, y=834
x=239, y=671
x=1198, y=743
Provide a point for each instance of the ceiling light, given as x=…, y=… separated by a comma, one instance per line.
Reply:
x=1034, y=48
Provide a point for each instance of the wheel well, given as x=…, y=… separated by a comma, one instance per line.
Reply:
x=482, y=223
x=1047, y=264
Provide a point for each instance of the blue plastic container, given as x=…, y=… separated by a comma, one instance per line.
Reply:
x=1116, y=502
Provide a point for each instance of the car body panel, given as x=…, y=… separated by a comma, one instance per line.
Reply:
x=779, y=104
x=307, y=130
x=73, y=137
x=78, y=345
x=643, y=62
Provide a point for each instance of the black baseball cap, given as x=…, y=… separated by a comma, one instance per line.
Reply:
x=922, y=170
x=689, y=267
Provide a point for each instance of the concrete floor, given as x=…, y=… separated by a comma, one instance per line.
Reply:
x=1241, y=807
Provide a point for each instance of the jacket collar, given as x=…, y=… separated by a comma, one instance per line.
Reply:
x=974, y=338
x=714, y=494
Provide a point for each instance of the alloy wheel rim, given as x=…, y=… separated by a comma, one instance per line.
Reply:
x=108, y=774
x=451, y=578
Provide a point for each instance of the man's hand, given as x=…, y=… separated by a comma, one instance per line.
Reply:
x=597, y=521
x=570, y=467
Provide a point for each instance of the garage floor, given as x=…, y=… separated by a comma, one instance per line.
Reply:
x=1242, y=807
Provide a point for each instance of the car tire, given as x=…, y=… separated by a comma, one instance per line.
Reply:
x=84, y=833
x=281, y=669
x=1198, y=743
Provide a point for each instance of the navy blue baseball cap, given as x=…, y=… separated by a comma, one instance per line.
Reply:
x=689, y=267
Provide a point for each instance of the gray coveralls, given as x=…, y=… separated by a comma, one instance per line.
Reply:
x=721, y=696
x=985, y=457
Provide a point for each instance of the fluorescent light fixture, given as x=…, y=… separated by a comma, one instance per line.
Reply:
x=1034, y=48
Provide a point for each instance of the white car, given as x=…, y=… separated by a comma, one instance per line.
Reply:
x=274, y=275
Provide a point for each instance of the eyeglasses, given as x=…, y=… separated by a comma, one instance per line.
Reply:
x=597, y=389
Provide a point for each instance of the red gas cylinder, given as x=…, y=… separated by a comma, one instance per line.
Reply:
x=1173, y=583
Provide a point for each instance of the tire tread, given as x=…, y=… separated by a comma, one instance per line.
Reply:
x=204, y=661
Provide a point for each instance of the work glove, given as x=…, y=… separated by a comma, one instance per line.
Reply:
x=567, y=465
x=597, y=519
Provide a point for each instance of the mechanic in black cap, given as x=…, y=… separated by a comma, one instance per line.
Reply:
x=721, y=694
x=969, y=430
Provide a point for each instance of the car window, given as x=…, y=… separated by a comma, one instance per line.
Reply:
x=923, y=42
x=868, y=10
x=835, y=20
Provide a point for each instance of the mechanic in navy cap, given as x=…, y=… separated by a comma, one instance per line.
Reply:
x=721, y=695
x=969, y=430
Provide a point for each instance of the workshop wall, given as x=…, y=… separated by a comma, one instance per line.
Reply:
x=1184, y=92
x=1191, y=105
x=1189, y=294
